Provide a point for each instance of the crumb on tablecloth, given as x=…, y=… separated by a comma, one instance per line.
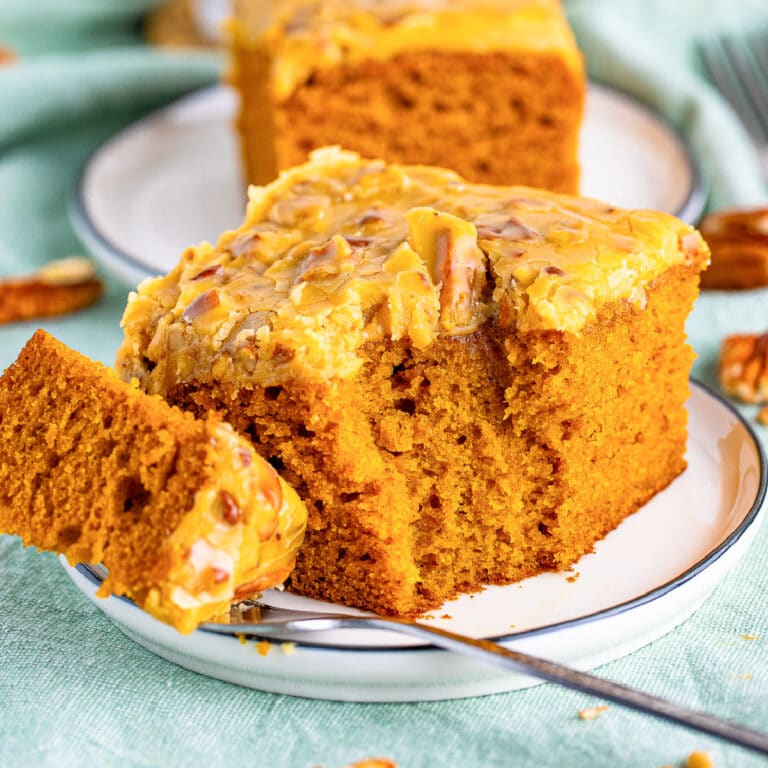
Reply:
x=699, y=760
x=592, y=713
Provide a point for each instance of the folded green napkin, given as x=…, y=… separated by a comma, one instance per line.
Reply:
x=74, y=691
x=647, y=48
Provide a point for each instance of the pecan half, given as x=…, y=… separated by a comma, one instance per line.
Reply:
x=738, y=240
x=60, y=287
x=743, y=368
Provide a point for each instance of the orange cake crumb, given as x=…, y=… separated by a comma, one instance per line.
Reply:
x=592, y=713
x=491, y=88
x=467, y=384
x=374, y=762
x=182, y=512
x=699, y=759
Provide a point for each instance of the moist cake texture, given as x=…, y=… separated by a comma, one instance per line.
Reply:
x=491, y=88
x=467, y=384
x=182, y=512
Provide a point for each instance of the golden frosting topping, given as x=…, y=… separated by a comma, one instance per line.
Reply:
x=303, y=35
x=342, y=251
x=240, y=537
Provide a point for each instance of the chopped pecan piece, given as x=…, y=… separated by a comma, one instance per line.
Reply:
x=448, y=247
x=738, y=240
x=357, y=241
x=373, y=216
x=460, y=266
x=300, y=210
x=208, y=272
x=326, y=260
x=743, y=368
x=232, y=512
x=205, y=302
x=246, y=241
x=502, y=226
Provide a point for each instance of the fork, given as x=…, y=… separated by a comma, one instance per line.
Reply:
x=738, y=66
x=255, y=619
x=258, y=620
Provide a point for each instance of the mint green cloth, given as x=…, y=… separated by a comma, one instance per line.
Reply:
x=74, y=691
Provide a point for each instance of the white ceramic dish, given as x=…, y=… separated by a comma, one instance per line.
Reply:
x=173, y=179
x=643, y=579
x=210, y=17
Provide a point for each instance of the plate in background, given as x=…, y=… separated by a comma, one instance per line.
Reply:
x=210, y=17
x=643, y=579
x=173, y=179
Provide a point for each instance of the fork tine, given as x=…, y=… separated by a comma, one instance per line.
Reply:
x=748, y=70
x=717, y=63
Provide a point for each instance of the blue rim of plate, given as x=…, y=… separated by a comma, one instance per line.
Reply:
x=88, y=231
x=605, y=613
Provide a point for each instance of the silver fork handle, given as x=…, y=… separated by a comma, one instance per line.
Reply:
x=517, y=661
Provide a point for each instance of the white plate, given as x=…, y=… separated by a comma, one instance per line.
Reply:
x=210, y=17
x=643, y=579
x=173, y=179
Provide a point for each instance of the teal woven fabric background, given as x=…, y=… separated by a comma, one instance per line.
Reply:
x=75, y=691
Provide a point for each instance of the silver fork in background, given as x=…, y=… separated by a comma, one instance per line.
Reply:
x=263, y=621
x=738, y=67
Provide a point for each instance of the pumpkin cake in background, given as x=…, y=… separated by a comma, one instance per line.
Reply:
x=467, y=384
x=491, y=88
x=182, y=512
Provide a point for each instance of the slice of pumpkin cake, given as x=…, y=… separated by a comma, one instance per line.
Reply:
x=491, y=88
x=182, y=512
x=467, y=384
